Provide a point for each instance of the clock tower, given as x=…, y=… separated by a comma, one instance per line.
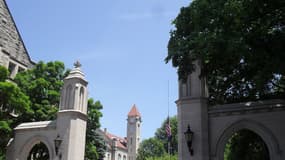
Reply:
x=133, y=132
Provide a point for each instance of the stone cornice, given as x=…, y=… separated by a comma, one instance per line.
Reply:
x=36, y=125
x=73, y=113
x=247, y=107
x=189, y=100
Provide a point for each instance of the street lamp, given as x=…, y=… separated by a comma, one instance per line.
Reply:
x=189, y=138
x=57, y=143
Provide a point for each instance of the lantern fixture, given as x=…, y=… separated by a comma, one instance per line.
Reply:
x=189, y=139
x=57, y=143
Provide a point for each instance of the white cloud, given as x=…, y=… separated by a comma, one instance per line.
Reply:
x=155, y=13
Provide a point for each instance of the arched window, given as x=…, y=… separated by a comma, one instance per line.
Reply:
x=39, y=152
x=124, y=157
x=119, y=157
x=81, y=98
x=68, y=93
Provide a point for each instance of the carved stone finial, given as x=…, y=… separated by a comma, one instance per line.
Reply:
x=77, y=64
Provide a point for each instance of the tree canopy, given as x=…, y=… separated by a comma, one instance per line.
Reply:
x=151, y=147
x=13, y=105
x=240, y=44
x=157, y=147
x=42, y=84
x=95, y=147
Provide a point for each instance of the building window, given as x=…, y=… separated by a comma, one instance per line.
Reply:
x=12, y=69
x=119, y=157
x=124, y=158
x=20, y=69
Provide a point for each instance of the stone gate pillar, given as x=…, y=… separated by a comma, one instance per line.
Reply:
x=69, y=128
x=72, y=116
x=192, y=110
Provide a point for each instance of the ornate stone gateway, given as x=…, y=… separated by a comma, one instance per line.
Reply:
x=213, y=126
x=63, y=138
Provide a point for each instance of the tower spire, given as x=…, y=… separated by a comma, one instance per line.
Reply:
x=134, y=112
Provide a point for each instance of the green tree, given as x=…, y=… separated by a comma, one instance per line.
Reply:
x=151, y=147
x=42, y=84
x=95, y=147
x=245, y=36
x=253, y=147
x=13, y=104
x=161, y=135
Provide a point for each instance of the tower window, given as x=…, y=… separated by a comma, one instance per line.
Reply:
x=81, y=99
x=68, y=98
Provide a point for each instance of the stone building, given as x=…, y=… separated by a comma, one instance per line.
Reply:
x=13, y=53
x=119, y=148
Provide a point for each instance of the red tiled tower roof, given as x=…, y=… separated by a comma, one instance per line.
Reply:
x=134, y=112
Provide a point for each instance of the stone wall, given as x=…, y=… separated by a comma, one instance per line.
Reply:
x=11, y=44
x=265, y=118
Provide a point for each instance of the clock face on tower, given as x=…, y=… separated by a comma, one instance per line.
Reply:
x=132, y=120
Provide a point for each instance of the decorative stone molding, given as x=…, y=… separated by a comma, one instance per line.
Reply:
x=247, y=108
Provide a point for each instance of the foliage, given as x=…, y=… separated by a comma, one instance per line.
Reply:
x=245, y=36
x=42, y=84
x=95, y=146
x=253, y=147
x=157, y=146
x=151, y=147
x=3, y=74
x=162, y=136
x=13, y=104
x=2, y=157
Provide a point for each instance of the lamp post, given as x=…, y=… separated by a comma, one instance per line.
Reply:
x=57, y=143
x=189, y=138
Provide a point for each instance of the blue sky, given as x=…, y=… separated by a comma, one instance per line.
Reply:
x=121, y=45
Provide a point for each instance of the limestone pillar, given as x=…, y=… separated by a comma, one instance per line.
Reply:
x=72, y=116
x=192, y=110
